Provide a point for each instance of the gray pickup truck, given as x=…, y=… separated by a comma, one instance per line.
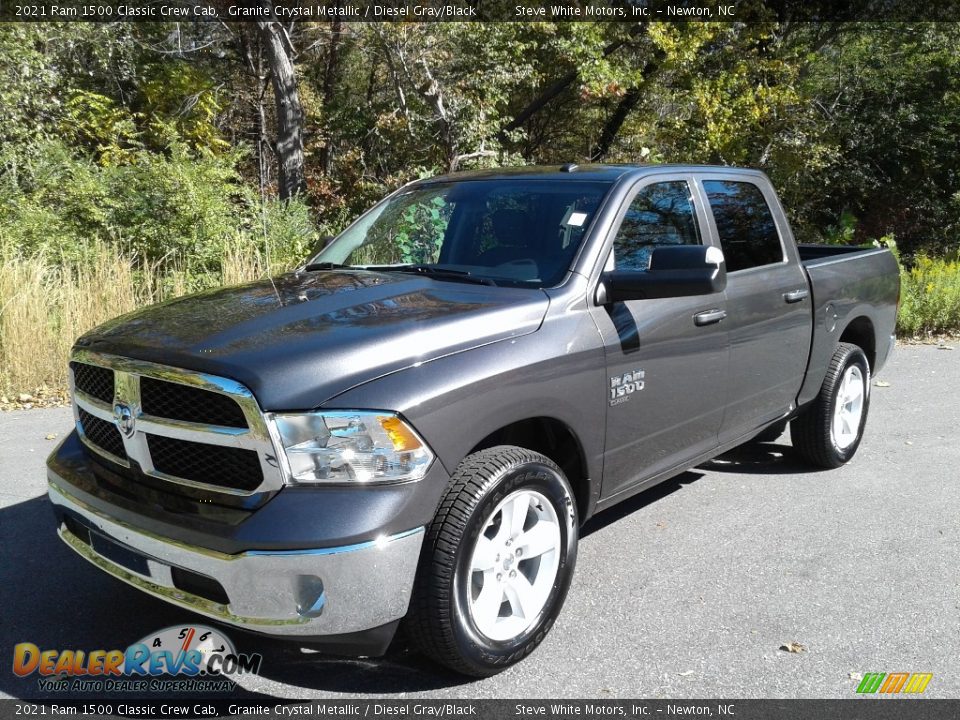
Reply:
x=413, y=426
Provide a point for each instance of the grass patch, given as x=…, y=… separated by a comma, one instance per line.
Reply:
x=46, y=302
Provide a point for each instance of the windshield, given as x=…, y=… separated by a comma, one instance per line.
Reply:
x=515, y=231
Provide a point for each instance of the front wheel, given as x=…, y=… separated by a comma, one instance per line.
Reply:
x=828, y=432
x=497, y=562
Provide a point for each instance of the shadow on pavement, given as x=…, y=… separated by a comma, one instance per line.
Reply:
x=54, y=599
x=753, y=458
x=757, y=458
x=641, y=500
x=401, y=670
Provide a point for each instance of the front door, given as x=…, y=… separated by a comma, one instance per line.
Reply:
x=666, y=358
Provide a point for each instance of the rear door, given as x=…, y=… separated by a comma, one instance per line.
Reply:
x=768, y=304
x=666, y=358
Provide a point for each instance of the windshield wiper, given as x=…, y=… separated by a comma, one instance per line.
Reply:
x=325, y=266
x=434, y=272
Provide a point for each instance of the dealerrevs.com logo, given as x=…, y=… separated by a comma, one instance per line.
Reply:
x=894, y=683
x=187, y=658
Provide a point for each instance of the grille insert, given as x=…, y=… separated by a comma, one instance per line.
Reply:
x=95, y=381
x=103, y=434
x=182, y=402
x=227, y=467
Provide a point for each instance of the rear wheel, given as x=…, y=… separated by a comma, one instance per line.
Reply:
x=828, y=432
x=497, y=562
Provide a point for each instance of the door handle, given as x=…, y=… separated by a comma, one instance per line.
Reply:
x=709, y=317
x=795, y=295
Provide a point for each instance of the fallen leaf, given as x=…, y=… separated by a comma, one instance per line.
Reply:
x=909, y=442
x=882, y=383
x=51, y=436
x=686, y=674
x=794, y=647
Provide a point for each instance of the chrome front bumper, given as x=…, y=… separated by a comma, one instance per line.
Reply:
x=296, y=593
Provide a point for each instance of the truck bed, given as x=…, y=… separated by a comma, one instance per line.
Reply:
x=855, y=290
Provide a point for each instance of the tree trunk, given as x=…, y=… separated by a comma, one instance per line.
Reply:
x=612, y=127
x=283, y=77
x=329, y=85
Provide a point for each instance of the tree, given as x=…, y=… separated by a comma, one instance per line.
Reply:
x=283, y=77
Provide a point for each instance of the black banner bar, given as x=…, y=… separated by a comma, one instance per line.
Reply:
x=280, y=709
x=481, y=10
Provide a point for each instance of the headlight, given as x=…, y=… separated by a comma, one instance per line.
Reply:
x=347, y=446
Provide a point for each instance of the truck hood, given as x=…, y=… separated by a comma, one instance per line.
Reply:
x=302, y=338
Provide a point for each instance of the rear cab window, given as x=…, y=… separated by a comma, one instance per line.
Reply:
x=745, y=225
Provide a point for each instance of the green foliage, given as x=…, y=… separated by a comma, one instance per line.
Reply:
x=421, y=229
x=930, y=298
x=889, y=95
x=844, y=232
x=28, y=83
x=97, y=122
x=180, y=100
x=173, y=209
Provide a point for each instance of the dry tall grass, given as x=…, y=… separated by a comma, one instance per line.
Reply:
x=45, y=304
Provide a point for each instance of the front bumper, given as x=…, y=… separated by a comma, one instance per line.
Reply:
x=304, y=594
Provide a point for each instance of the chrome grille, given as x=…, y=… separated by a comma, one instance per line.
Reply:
x=179, y=426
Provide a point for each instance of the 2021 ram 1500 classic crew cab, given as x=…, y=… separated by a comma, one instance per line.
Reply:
x=412, y=426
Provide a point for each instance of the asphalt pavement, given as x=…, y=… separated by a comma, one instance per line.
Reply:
x=686, y=591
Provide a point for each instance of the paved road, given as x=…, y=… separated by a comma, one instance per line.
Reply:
x=686, y=591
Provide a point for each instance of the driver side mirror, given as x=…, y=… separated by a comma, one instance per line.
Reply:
x=675, y=271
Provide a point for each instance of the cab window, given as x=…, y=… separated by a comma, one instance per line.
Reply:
x=745, y=225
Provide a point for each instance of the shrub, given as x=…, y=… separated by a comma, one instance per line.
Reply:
x=82, y=241
x=930, y=297
x=173, y=208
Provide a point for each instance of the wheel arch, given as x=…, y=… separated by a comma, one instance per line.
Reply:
x=559, y=442
x=860, y=332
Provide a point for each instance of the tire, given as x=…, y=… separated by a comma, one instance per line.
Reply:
x=829, y=430
x=468, y=612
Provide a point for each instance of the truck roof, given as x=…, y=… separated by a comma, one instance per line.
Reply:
x=573, y=171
